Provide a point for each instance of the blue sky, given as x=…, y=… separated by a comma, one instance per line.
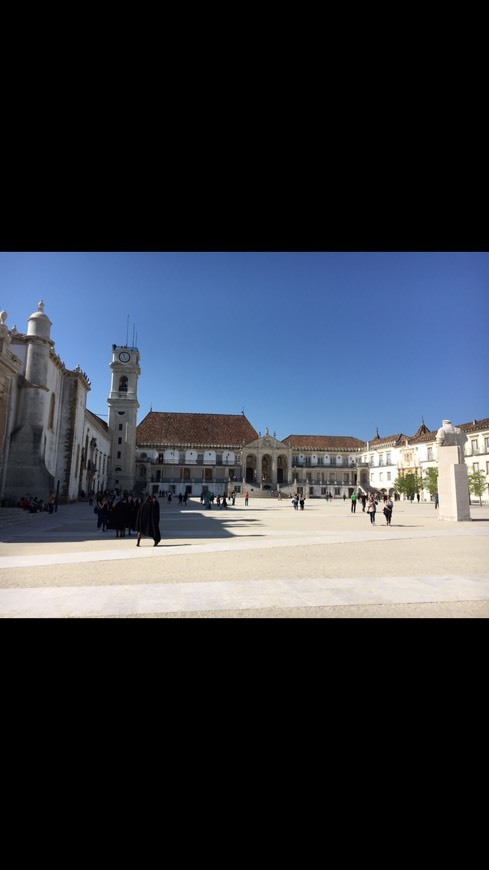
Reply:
x=316, y=343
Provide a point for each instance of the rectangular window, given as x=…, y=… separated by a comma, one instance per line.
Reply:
x=388, y=475
x=381, y=476
x=475, y=446
x=51, y=412
x=160, y=458
x=119, y=440
x=120, y=427
x=475, y=466
x=486, y=441
x=430, y=453
x=388, y=459
x=118, y=454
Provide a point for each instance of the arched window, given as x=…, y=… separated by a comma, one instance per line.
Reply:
x=123, y=384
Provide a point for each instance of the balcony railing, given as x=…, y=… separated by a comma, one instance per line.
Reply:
x=190, y=463
x=308, y=463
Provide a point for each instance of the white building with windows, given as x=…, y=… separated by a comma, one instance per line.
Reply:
x=400, y=454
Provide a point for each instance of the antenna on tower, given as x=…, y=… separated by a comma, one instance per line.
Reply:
x=127, y=330
x=133, y=327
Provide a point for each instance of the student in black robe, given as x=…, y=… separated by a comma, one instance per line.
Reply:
x=148, y=520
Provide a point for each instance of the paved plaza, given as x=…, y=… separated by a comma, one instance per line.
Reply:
x=266, y=560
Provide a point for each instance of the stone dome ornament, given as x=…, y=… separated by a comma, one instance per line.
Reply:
x=3, y=316
x=39, y=323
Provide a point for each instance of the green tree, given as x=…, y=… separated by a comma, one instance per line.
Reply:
x=430, y=481
x=408, y=484
x=478, y=484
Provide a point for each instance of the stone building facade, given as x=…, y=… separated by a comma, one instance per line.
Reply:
x=50, y=441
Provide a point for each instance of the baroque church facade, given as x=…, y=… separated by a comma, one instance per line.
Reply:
x=51, y=442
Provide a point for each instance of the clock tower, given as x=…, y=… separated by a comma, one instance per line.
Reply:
x=123, y=407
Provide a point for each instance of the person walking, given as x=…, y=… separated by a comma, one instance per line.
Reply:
x=119, y=517
x=130, y=515
x=387, y=510
x=364, y=502
x=246, y=497
x=101, y=508
x=436, y=500
x=371, y=509
x=301, y=502
x=353, y=502
x=148, y=520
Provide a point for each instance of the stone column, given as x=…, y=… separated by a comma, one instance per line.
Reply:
x=453, y=486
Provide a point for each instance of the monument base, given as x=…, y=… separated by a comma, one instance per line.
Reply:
x=453, y=486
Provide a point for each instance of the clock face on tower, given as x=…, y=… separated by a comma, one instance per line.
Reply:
x=124, y=356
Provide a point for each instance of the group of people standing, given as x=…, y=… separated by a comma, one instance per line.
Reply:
x=126, y=514
x=370, y=504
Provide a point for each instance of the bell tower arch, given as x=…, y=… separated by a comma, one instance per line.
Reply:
x=123, y=408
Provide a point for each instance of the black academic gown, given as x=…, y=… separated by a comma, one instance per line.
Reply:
x=148, y=520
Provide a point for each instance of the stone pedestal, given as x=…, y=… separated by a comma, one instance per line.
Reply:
x=453, y=486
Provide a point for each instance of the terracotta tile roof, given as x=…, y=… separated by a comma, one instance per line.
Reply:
x=161, y=428
x=423, y=437
x=324, y=442
x=475, y=425
x=423, y=429
x=388, y=441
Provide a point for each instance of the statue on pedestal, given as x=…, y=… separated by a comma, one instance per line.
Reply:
x=451, y=436
x=453, y=487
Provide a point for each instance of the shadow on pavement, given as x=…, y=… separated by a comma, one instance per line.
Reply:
x=77, y=524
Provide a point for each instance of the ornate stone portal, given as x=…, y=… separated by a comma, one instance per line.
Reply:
x=453, y=484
